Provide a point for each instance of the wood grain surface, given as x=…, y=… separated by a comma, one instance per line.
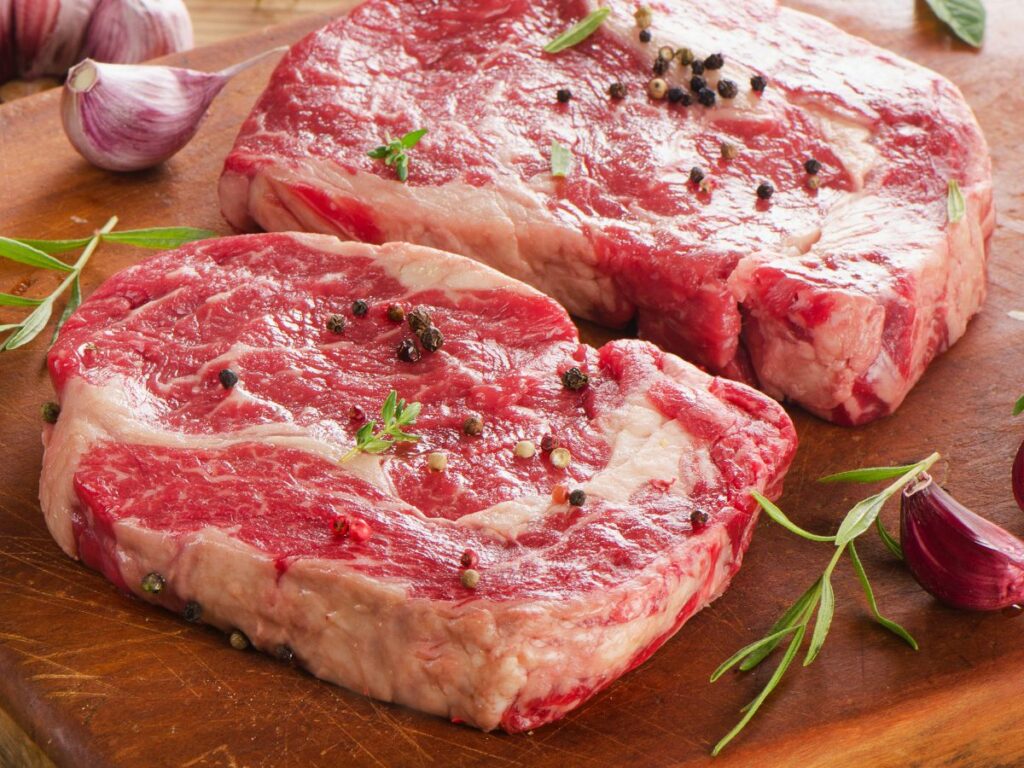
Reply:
x=215, y=20
x=98, y=679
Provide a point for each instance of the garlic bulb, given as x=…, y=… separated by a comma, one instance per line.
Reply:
x=126, y=117
x=130, y=31
x=48, y=35
x=959, y=557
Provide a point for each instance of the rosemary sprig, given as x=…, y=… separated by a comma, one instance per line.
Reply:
x=394, y=415
x=40, y=254
x=394, y=152
x=818, y=602
x=579, y=31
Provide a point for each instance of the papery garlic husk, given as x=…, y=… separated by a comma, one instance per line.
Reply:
x=131, y=31
x=959, y=557
x=48, y=35
x=127, y=117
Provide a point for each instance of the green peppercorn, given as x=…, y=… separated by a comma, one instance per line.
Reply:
x=667, y=53
x=575, y=379
x=644, y=17
x=50, y=412
x=153, y=583
x=336, y=324
x=360, y=308
x=685, y=56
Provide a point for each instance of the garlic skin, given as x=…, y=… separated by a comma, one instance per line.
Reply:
x=128, y=117
x=132, y=31
x=48, y=35
x=959, y=557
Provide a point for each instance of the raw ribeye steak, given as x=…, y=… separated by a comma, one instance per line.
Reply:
x=226, y=496
x=836, y=292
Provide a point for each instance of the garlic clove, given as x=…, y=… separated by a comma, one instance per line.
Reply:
x=132, y=31
x=49, y=35
x=1017, y=477
x=959, y=557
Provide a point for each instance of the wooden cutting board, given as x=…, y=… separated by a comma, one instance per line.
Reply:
x=97, y=679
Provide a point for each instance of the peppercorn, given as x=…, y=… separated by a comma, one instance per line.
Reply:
x=765, y=190
x=813, y=182
x=812, y=166
x=340, y=526
x=360, y=308
x=473, y=426
x=758, y=83
x=228, y=378
x=419, y=320
x=666, y=53
x=355, y=413
x=284, y=653
x=431, y=339
x=238, y=640
x=617, y=90
x=687, y=100
x=396, y=313
x=548, y=443
x=728, y=89
x=714, y=61
x=645, y=35
x=575, y=379
x=336, y=324
x=705, y=186
x=698, y=518
x=563, y=95
x=358, y=530
x=706, y=97
x=50, y=412
x=729, y=151
x=560, y=458
x=697, y=67
x=153, y=583
x=469, y=559
x=657, y=88
x=577, y=497
x=696, y=175
x=644, y=17
x=408, y=352
x=525, y=449
x=193, y=612
x=559, y=494
x=660, y=66
x=437, y=461
x=470, y=578
x=675, y=94
x=697, y=83
x=685, y=56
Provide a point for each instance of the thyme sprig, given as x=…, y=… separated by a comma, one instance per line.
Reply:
x=394, y=414
x=394, y=152
x=818, y=602
x=40, y=254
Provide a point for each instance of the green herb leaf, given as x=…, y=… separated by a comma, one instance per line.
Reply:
x=965, y=17
x=33, y=257
x=579, y=31
x=867, y=475
x=10, y=300
x=887, y=539
x=803, y=605
x=1018, y=407
x=412, y=138
x=30, y=327
x=378, y=153
x=393, y=153
x=826, y=609
x=775, y=638
x=74, y=302
x=955, y=205
x=561, y=160
x=394, y=414
x=159, y=238
x=869, y=593
x=387, y=411
x=779, y=517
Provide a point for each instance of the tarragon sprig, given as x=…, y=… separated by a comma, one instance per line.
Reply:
x=394, y=414
x=818, y=602
x=394, y=152
x=40, y=254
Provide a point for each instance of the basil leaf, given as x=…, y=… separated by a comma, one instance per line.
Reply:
x=10, y=300
x=965, y=17
x=159, y=238
x=866, y=475
x=74, y=302
x=30, y=327
x=779, y=517
x=1018, y=407
x=561, y=160
x=27, y=254
x=579, y=31
x=869, y=593
x=887, y=539
x=955, y=205
x=789, y=619
x=412, y=138
x=826, y=609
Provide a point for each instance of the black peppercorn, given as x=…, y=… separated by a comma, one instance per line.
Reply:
x=431, y=339
x=698, y=518
x=575, y=379
x=419, y=320
x=193, y=612
x=50, y=412
x=812, y=166
x=360, y=308
x=407, y=351
x=697, y=67
x=617, y=90
x=228, y=378
x=336, y=324
x=396, y=313
x=563, y=95
x=645, y=35
x=714, y=61
x=765, y=190
x=758, y=83
x=548, y=443
x=697, y=83
x=696, y=175
x=675, y=94
x=577, y=497
x=687, y=100
x=473, y=426
x=728, y=89
x=284, y=653
x=706, y=97
x=661, y=65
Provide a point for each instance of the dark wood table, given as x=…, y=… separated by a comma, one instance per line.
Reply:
x=89, y=677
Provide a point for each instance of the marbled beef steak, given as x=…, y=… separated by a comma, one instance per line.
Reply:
x=231, y=494
x=836, y=297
